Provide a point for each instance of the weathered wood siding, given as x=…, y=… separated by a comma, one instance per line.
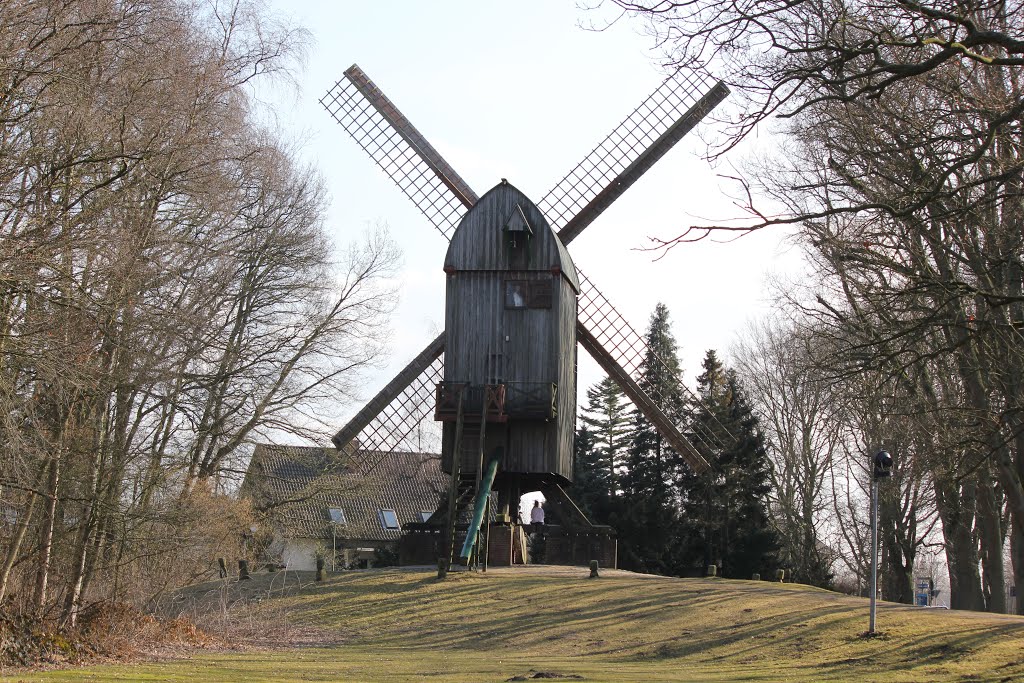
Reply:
x=567, y=316
x=488, y=343
x=480, y=244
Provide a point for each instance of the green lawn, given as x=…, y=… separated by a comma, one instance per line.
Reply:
x=391, y=625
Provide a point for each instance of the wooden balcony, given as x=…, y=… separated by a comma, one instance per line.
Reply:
x=531, y=400
x=480, y=402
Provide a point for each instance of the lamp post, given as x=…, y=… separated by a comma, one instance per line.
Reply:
x=882, y=468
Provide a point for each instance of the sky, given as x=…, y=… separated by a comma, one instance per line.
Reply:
x=524, y=91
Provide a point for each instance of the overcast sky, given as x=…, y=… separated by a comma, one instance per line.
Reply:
x=521, y=91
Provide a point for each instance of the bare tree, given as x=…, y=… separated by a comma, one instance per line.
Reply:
x=804, y=424
x=902, y=166
x=786, y=58
x=167, y=292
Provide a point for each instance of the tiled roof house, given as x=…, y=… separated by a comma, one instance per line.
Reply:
x=321, y=501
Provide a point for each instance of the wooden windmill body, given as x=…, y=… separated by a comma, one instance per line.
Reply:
x=502, y=377
x=510, y=331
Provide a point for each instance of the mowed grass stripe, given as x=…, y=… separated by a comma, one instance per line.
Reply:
x=401, y=625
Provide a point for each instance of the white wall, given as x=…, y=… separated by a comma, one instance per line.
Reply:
x=299, y=554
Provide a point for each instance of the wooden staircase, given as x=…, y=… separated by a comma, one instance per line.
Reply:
x=465, y=482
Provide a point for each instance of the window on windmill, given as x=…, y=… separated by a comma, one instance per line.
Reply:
x=388, y=519
x=337, y=515
x=516, y=293
x=425, y=515
x=527, y=294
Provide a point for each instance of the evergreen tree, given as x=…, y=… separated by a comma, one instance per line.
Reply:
x=651, y=463
x=725, y=510
x=648, y=521
x=591, y=488
x=600, y=449
x=606, y=417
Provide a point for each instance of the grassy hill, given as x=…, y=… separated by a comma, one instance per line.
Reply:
x=554, y=623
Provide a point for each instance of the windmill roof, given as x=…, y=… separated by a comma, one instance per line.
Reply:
x=478, y=242
x=300, y=484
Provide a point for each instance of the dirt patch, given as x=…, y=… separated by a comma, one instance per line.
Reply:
x=534, y=675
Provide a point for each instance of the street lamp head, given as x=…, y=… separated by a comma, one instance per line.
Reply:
x=883, y=464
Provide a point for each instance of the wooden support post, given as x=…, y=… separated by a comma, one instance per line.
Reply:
x=453, y=489
x=480, y=471
x=487, y=534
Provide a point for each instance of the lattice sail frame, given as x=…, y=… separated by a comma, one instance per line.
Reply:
x=639, y=132
x=384, y=133
x=394, y=144
x=629, y=349
x=391, y=430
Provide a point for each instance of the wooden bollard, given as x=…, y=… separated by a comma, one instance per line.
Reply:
x=321, y=573
x=442, y=568
x=593, y=569
x=243, y=570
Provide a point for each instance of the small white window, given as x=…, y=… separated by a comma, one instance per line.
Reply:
x=337, y=515
x=388, y=519
x=425, y=515
x=515, y=294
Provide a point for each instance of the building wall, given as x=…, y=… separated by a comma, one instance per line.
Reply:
x=299, y=554
x=499, y=546
x=566, y=423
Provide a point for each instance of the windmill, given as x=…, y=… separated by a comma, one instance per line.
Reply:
x=508, y=405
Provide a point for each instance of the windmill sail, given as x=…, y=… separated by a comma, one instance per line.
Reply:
x=391, y=140
x=641, y=400
x=387, y=420
x=646, y=135
x=624, y=346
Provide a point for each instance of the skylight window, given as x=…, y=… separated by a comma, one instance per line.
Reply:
x=425, y=515
x=388, y=519
x=337, y=515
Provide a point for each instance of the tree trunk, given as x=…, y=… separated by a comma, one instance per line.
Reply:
x=991, y=537
x=897, y=567
x=74, y=594
x=1017, y=553
x=46, y=538
x=15, y=547
x=85, y=539
x=956, y=506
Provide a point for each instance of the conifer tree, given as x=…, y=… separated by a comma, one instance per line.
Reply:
x=725, y=510
x=590, y=487
x=651, y=462
x=607, y=418
x=600, y=449
x=648, y=521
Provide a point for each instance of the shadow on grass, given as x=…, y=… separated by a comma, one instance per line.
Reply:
x=650, y=620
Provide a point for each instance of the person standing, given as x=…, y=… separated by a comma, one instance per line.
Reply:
x=537, y=516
